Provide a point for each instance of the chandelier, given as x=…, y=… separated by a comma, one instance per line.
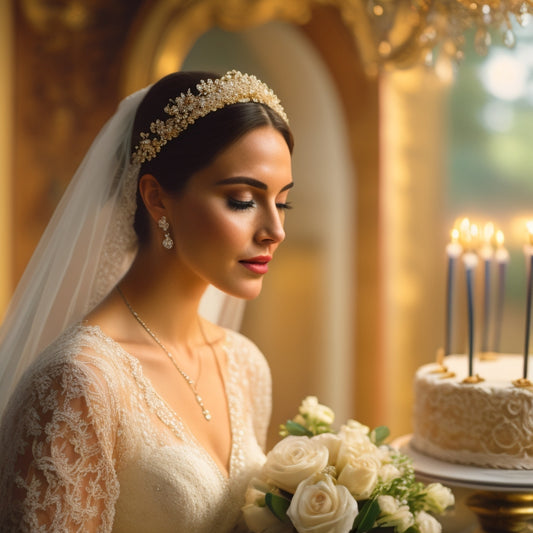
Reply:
x=407, y=32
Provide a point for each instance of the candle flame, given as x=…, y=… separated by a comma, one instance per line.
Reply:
x=464, y=225
x=474, y=234
x=499, y=238
x=455, y=235
x=464, y=232
x=529, y=226
x=488, y=232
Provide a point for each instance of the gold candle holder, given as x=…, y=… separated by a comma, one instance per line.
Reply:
x=502, y=512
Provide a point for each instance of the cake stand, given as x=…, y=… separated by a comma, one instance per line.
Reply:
x=502, y=500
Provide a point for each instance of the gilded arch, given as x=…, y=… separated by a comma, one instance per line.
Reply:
x=167, y=28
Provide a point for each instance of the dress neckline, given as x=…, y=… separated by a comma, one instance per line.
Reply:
x=160, y=407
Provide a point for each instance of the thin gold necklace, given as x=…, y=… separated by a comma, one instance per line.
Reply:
x=189, y=381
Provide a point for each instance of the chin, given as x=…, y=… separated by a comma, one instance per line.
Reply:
x=249, y=292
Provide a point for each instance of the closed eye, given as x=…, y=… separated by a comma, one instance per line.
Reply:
x=240, y=205
x=284, y=206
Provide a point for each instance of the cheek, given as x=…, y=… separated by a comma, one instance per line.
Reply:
x=212, y=225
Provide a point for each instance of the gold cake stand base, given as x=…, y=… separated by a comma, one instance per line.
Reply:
x=502, y=512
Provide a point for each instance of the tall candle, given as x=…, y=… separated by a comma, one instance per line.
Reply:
x=501, y=257
x=528, y=249
x=486, y=254
x=453, y=251
x=470, y=261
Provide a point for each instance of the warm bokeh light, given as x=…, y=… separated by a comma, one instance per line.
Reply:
x=499, y=238
x=488, y=232
x=529, y=226
x=504, y=76
x=454, y=235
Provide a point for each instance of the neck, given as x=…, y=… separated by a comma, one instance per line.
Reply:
x=165, y=297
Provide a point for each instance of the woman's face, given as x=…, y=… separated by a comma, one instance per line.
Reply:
x=228, y=221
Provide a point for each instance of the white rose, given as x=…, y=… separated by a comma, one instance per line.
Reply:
x=355, y=440
x=353, y=447
x=294, y=459
x=427, y=523
x=332, y=442
x=438, y=497
x=388, y=472
x=354, y=424
x=255, y=493
x=316, y=411
x=388, y=504
x=320, y=506
x=360, y=476
x=260, y=519
x=393, y=514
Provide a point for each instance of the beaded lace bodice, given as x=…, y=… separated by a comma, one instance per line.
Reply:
x=106, y=453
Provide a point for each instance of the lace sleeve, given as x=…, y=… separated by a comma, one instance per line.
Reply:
x=56, y=469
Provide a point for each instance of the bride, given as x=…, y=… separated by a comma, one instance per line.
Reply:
x=124, y=409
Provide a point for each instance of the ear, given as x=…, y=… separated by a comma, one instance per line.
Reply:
x=153, y=196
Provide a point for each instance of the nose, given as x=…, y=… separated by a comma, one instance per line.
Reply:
x=271, y=228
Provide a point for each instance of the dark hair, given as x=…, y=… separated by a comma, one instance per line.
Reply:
x=200, y=143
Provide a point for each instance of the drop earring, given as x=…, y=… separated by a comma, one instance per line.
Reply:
x=167, y=243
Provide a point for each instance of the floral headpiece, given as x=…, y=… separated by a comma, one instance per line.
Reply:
x=186, y=109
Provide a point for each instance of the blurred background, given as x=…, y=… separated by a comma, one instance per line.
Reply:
x=405, y=119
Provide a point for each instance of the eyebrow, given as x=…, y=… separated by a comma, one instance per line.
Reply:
x=242, y=180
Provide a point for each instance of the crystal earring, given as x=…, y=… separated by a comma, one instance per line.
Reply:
x=167, y=243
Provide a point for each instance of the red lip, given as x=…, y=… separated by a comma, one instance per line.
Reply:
x=258, y=265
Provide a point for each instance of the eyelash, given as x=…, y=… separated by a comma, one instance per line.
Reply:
x=239, y=205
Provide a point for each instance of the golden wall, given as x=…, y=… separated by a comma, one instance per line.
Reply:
x=69, y=66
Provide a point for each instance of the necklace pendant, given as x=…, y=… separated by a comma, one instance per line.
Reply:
x=207, y=414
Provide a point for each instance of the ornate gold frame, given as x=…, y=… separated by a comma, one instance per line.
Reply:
x=6, y=136
x=153, y=44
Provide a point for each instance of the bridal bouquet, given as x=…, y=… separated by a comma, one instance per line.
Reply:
x=316, y=480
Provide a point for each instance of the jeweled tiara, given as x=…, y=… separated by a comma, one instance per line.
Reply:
x=186, y=109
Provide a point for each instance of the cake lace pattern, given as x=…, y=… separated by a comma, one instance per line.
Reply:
x=494, y=430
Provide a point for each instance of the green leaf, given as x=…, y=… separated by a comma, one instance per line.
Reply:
x=367, y=516
x=379, y=434
x=278, y=506
x=297, y=429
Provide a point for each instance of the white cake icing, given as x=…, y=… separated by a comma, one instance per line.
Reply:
x=488, y=424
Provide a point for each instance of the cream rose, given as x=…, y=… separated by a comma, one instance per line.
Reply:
x=427, y=523
x=438, y=497
x=354, y=424
x=356, y=441
x=332, y=442
x=393, y=514
x=320, y=506
x=294, y=459
x=316, y=411
x=354, y=445
x=360, y=475
x=388, y=472
x=260, y=519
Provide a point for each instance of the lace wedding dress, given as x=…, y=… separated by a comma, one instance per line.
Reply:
x=110, y=456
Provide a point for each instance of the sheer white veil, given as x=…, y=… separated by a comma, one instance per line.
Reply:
x=87, y=247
